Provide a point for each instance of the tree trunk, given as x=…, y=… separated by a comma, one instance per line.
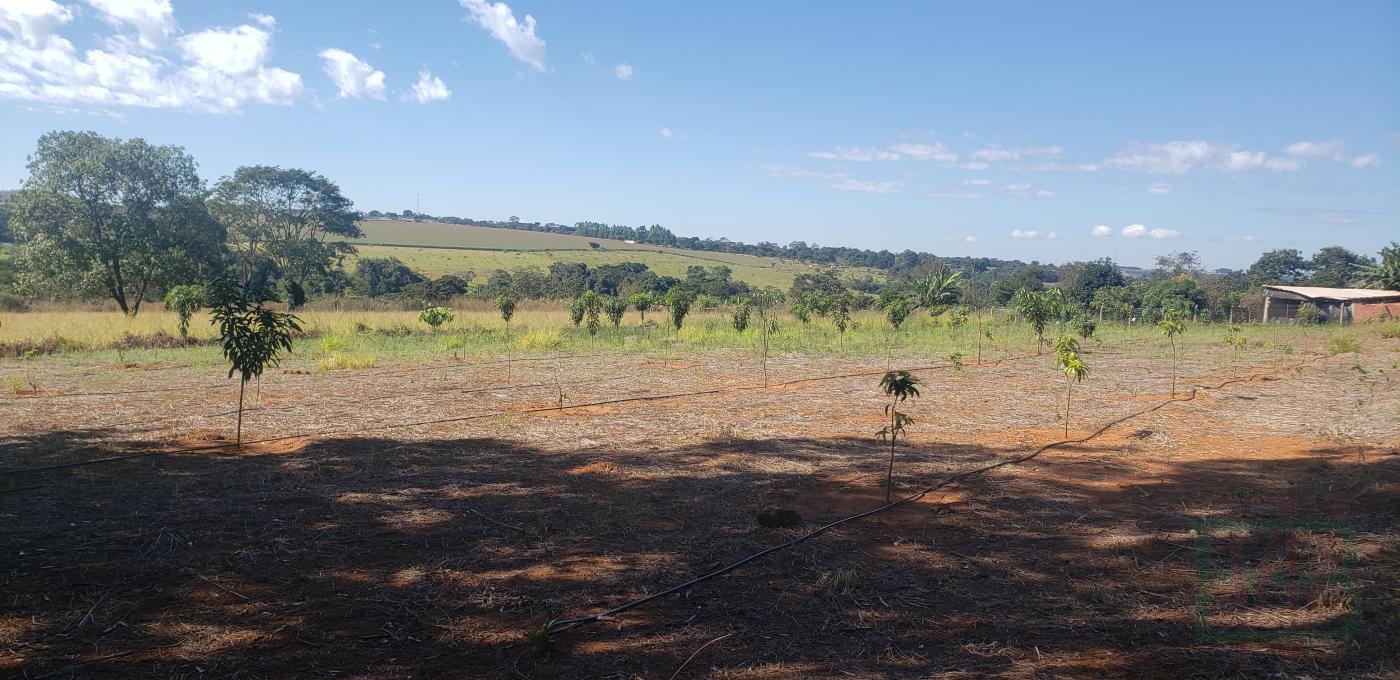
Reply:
x=1069, y=387
x=889, y=473
x=242, y=383
x=1173, y=341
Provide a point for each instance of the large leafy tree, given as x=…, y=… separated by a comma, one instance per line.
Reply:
x=1285, y=265
x=103, y=217
x=291, y=218
x=1336, y=267
x=1081, y=280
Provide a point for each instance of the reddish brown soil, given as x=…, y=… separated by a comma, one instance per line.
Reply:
x=431, y=551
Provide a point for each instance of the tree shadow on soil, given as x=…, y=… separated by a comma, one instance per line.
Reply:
x=378, y=557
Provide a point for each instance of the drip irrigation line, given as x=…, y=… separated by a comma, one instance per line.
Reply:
x=563, y=625
x=460, y=419
x=363, y=400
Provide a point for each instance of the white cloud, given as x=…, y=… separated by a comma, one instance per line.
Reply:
x=1102, y=230
x=1369, y=160
x=153, y=20
x=976, y=182
x=218, y=70
x=1175, y=157
x=1042, y=193
x=855, y=153
x=430, y=88
x=1254, y=160
x=1141, y=231
x=1052, y=236
x=925, y=152
x=1019, y=233
x=264, y=20
x=996, y=153
x=588, y=58
x=1159, y=188
x=849, y=184
x=975, y=166
x=791, y=171
x=519, y=36
x=1242, y=239
x=623, y=71
x=1327, y=150
x=353, y=77
x=1018, y=187
x=666, y=132
x=969, y=239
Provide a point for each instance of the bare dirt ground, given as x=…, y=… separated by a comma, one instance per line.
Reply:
x=1250, y=531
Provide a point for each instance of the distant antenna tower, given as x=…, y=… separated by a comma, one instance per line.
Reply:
x=417, y=203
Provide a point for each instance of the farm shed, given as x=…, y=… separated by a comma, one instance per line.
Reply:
x=1338, y=305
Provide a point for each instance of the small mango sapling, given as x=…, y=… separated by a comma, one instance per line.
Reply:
x=897, y=386
x=1067, y=358
x=185, y=301
x=506, y=305
x=253, y=336
x=1171, y=327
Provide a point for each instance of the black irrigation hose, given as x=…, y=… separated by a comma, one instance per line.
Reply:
x=562, y=625
x=459, y=419
x=364, y=400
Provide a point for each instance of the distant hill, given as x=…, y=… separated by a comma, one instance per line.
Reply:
x=437, y=248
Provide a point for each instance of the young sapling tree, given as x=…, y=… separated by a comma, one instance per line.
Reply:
x=592, y=305
x=841, y=315
x=576, y=311
x=506, y=305
x=615, y=308
x=253, y=336
x=1171, y=327
x=641, y=302
x=678, y=302
x=740, y=317
x=1235, y=340
x=897, y=386
x=1037, y=308
x=1067, y=358
x=435, y=316
x=185, y=301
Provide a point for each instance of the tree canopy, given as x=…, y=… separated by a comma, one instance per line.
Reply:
x=100, y=216
x=287, y=217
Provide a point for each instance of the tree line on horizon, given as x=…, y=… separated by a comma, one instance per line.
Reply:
x=104, y=218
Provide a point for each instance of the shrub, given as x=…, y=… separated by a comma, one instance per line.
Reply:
x=435, y=316
x=1344, y=345
x=336, y=361
x=185, y=301
x=1309, y=314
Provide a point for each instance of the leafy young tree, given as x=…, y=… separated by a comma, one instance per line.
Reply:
x=1234, y=339
x=253, y=336
x=678, y=301
x=615, y=308
x=506, y=305
x=1386, y=274
x=185, y=301
x=1037, y=308
x=1067, y=358
x=577, y=309
x=765, y=301
x=897, y=309
x=103, y=217
x=841, y=314
x=435, y=316
x=740, y=317
x=592, y=305
x=1171, y=327
x=642, y=302
x=289, y=217
x=897, y=386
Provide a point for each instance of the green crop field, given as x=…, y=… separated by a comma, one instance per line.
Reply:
x=434, y=249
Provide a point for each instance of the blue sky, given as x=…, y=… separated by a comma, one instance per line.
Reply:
x=967, y=129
